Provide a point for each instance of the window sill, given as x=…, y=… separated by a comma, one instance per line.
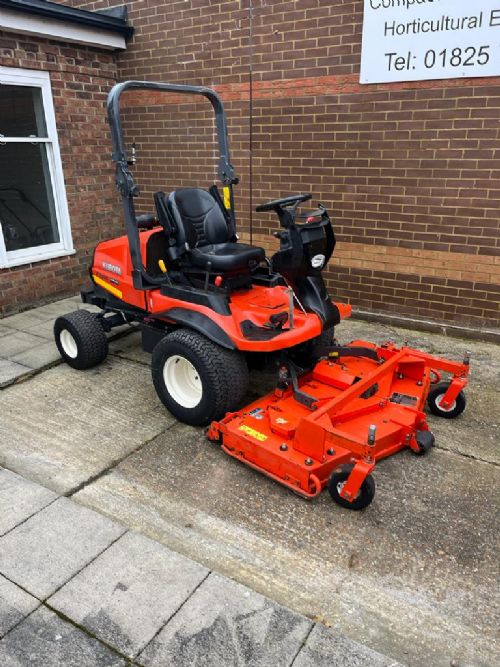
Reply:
x=42, y=257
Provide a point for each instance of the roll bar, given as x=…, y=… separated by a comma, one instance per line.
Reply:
x=124, y=179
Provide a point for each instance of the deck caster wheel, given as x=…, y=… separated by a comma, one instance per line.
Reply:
x=436, y=396
x=425, y=441
x=80, y=339
x=336, y=484
x=197, y=380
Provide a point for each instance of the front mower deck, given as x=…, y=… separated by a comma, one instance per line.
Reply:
x=351, y=410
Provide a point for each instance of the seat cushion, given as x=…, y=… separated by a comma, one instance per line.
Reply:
x=227, y=256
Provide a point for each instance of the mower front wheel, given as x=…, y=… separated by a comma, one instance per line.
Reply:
x=197, y=380
x=80, y=339
x=337, y=482
x=435, y=397
x=308, y=353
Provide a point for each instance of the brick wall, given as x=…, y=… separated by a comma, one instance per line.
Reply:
x=80, y=79
x=410, y=172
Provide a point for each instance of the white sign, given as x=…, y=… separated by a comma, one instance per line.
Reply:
x=416, y=40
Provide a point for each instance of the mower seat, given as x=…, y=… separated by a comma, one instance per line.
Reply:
x=203, y=229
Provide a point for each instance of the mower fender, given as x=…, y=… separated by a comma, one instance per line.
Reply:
x=201, y=323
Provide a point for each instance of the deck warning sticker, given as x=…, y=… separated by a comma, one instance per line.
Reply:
x=252, y=432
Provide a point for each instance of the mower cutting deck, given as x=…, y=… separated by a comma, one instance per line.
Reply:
x=331, y=425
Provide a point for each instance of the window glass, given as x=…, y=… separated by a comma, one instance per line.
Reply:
x=21, y=111
x=27, y=211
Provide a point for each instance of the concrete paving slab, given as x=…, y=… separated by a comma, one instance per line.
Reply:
x=43, y=330
x=4, y=331
x=44, y=552
x=423, y=555
x=78, y=423
x=34, y=316
x=128, y=593
x=224, y=623
x=18, y=342
x=20, y=499
x=41, y=356
x=15, y=604
x=25, y=320
x=323, y=649
x=10, y=371
x=44, y=639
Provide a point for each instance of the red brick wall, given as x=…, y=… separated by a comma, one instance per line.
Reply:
x=410, y=172
x=80, y=79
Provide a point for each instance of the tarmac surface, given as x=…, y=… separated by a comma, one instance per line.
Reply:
x=415, y=576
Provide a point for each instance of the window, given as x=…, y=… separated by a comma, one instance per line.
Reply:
x=34, y=220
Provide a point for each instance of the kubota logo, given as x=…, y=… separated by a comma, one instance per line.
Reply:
x=112, y=267
x=318, y=261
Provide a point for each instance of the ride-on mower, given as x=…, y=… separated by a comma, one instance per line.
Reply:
x=207, y=304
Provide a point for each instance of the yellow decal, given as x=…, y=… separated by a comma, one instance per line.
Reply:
x=227, y=197
x=113, y=290
x=251, y=431
x=162, y=266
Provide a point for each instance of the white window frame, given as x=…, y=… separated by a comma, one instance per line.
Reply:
x=34, y=78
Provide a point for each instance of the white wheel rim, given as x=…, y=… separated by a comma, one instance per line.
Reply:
x=68, y=344
x=441, y=407
x=182, y=381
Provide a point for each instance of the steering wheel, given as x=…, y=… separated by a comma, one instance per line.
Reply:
x=283, y=203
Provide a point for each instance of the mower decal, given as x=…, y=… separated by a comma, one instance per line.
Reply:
x=227, y=197
x=102, y=283
x=261, y=437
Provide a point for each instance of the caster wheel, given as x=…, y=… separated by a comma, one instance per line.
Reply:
x=425, y=441
x=336, y=484
x=436, y=396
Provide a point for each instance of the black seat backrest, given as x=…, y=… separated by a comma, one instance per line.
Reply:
x=198, y=217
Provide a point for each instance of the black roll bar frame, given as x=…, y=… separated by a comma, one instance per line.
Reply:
x=124, y=180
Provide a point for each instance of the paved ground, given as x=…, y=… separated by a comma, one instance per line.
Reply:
x=80, y=590
x=414, y=576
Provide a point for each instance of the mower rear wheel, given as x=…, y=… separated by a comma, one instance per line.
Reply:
x=337, y=482
x=435, y=397
x=80, y=339
x=197, y=380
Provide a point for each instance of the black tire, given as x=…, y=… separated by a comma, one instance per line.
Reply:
x=325, y=338
x=307, y=354
x=220, y=377
x=237, y=379
x=365, y=495
x=436, y=393
x=80, y=339
x=425, y=441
